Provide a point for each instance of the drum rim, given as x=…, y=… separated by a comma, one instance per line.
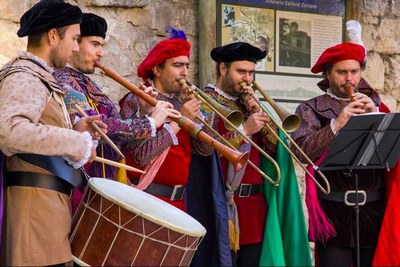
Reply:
x=195, y=232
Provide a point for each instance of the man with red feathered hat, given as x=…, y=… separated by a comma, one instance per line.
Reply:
x=332, y=219
x=167, y=155
x=180, y=169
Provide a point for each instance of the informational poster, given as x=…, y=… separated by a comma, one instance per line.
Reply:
x=294, y=33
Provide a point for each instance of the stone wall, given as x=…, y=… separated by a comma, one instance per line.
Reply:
x=136, y=25
x=380, y=21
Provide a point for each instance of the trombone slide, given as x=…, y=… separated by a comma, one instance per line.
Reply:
x=238, y=160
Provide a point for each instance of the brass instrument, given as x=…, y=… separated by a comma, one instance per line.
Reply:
x=290, y=122
x=221, y=112
x=235, y=117
x=279, y=110
x=237, y=159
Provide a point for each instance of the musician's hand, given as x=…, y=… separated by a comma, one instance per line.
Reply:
x=255, y=123
x=369, y=105
x=248, y=100
x=191, y=108
x=146, y=108
x=163, y=112
x=346, y=113
x=93, y=154
x=187, y=93
x=83, y=124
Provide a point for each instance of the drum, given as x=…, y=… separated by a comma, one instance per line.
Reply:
x=119, y=225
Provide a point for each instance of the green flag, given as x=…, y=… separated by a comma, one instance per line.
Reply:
x=285, y=240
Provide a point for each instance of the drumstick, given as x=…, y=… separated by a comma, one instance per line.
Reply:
x=105, y=137
x=118, y=165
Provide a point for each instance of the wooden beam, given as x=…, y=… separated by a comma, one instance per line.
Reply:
x=207, y=40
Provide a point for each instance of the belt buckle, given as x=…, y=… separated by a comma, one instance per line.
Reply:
x=248, y=192
x=348, y=192
x=173, y=195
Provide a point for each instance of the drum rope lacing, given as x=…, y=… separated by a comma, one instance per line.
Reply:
x=189, y=247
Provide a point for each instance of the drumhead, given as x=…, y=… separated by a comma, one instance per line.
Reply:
x=147, y=206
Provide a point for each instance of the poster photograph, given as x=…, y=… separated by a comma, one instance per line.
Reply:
x=251, y=25
x=302, y=38
x=294, y=33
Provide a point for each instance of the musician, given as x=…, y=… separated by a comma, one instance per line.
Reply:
x=81, y=90
x=34, y=120
x=322, y=117
x=169, y=152
x=236, y=64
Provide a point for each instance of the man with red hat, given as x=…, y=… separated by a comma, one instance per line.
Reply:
x=38, y=140
x=169, y=152
x=322, y=117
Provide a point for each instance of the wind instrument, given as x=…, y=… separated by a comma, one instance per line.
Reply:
x=292, y=142
x=237, y=159
x=230, y=125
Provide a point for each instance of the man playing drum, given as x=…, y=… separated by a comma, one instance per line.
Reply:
x=35, y=127
x=171, y=148
x=81, y=90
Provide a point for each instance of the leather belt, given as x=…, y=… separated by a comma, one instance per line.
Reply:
x=174, y=193
x=349, y=197
x=247, y=190
x=33, y=179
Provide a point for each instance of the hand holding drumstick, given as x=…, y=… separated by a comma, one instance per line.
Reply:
x=97, y=128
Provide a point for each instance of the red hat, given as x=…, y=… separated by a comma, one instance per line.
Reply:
x=175, y=46
x=338, y=53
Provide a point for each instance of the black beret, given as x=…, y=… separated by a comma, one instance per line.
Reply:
x=93, y=25
x=48, y=14
x=236, y=52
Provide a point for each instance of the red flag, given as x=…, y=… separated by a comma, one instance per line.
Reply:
x=387, y=252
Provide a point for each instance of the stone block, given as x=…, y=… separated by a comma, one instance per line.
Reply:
x=13, y=10
x=374, y=72
x=388, y=37
x=375, y=8
x=117, y=3
x=10, y=44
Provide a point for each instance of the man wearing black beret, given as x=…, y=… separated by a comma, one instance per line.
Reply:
x=236, y=64
x=37, y=138
x=81, y=90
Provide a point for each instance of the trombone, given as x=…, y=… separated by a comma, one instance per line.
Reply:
x=226, y=115
x=291, y=124
x=237, y=159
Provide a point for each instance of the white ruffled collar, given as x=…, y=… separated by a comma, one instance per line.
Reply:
x=331, y=94
x=219, y=91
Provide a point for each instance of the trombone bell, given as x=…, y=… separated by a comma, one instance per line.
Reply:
x=290, y=122
x=234, y=116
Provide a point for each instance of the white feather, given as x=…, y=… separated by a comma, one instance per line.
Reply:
x=354, y=31
x=353, y=28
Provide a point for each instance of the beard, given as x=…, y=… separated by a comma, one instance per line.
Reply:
x=57, y=59
x=228, y=86
x=80, y=64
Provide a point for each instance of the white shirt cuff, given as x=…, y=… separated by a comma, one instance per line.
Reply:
x=153, y=126
x=171, y=132
x=89, y=143
x=241, y=129
x=332, y=127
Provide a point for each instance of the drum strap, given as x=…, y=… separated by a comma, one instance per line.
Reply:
x=174, y=193
x=58, y=167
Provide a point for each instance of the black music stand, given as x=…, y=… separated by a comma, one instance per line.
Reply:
x=370, y=141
